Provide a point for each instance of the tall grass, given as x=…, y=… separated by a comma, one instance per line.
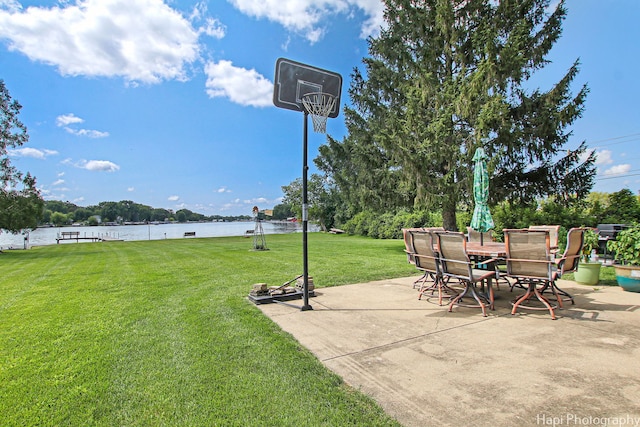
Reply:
x=161, y=333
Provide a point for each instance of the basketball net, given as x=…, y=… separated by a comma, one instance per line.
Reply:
x=319, y=105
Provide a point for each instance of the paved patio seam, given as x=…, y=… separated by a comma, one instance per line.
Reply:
x=413, y=338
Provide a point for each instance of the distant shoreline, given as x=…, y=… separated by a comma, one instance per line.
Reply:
x=43, y=236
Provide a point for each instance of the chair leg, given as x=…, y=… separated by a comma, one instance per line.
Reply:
x=556, y=290
x=562, y=292
x=532, y=290
x=504, y=279
x=439, y=285
x=517, y=283
x=469, y=288
x=491, y=296
x=489, y=291
x=422, y=279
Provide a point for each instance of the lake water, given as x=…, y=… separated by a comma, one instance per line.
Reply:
x=47, y=236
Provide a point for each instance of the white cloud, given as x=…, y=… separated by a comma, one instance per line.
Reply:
x=69, y=119
x=99, y=166
x=618, y=170
x=58, y=182
x=242, y=86
x=228, y=206
x=32, y=152
x=10, y=5
x=223, y=190
x=257, y=200
x=173, y=198
x=213, y=28
x=92, y=165
x=603, y=157
x=306, y=16
x=139, y=40
x=374, y=9
x=247, y=204
x=130, y=189
x=87, y=132
x=285, y=45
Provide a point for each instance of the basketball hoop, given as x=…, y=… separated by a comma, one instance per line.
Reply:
x=319, y=105
x=311, y=90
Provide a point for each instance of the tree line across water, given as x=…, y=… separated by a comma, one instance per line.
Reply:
x=125, y=211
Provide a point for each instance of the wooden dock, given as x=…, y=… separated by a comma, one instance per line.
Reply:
x=75, y=236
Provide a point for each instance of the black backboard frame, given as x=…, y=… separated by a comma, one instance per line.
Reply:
x=294, y=79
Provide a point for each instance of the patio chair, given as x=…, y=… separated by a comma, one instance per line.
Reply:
x=568, y=262
x=427, y=260
x=455, y=263
x=474, y=236
x=408, y=243
x=410, y=250
x=554, y=231
x=553, y=245
x=530, y=262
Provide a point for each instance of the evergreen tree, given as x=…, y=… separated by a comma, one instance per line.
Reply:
x=445, y=77
x=20, y=202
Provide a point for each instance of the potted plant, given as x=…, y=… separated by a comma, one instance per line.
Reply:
x=627, y=254
x=588, y=271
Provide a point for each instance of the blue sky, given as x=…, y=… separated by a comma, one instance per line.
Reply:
x=169, y=103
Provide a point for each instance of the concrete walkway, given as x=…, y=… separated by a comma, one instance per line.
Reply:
x=428, y=367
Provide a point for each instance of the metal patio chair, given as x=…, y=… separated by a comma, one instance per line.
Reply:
x=530, y=262
x=474, y=236
x=428, y=260
x=568, y=263
x=410, y=250
x=455, y=263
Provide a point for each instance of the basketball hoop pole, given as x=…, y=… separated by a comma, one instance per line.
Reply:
x=315, y=92
x=305, y=217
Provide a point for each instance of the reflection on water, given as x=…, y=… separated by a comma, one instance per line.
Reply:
x=47, y=236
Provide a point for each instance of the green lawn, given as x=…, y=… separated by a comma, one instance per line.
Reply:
x=160, y=333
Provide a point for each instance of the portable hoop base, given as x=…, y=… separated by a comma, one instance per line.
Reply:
x=269, y=299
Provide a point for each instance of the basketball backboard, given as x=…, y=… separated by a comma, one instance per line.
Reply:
x=293, y=80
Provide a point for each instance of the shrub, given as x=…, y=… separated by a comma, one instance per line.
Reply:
x=627, y=245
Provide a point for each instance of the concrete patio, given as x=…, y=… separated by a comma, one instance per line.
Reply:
x=428, y=367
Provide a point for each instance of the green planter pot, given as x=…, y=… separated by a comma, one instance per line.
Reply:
x=588, y=273
x=628, y=277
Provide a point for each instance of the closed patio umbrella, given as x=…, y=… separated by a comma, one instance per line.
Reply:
x=481, y=220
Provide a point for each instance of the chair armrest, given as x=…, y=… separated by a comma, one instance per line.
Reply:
x=488, y=261
x=541, y=261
